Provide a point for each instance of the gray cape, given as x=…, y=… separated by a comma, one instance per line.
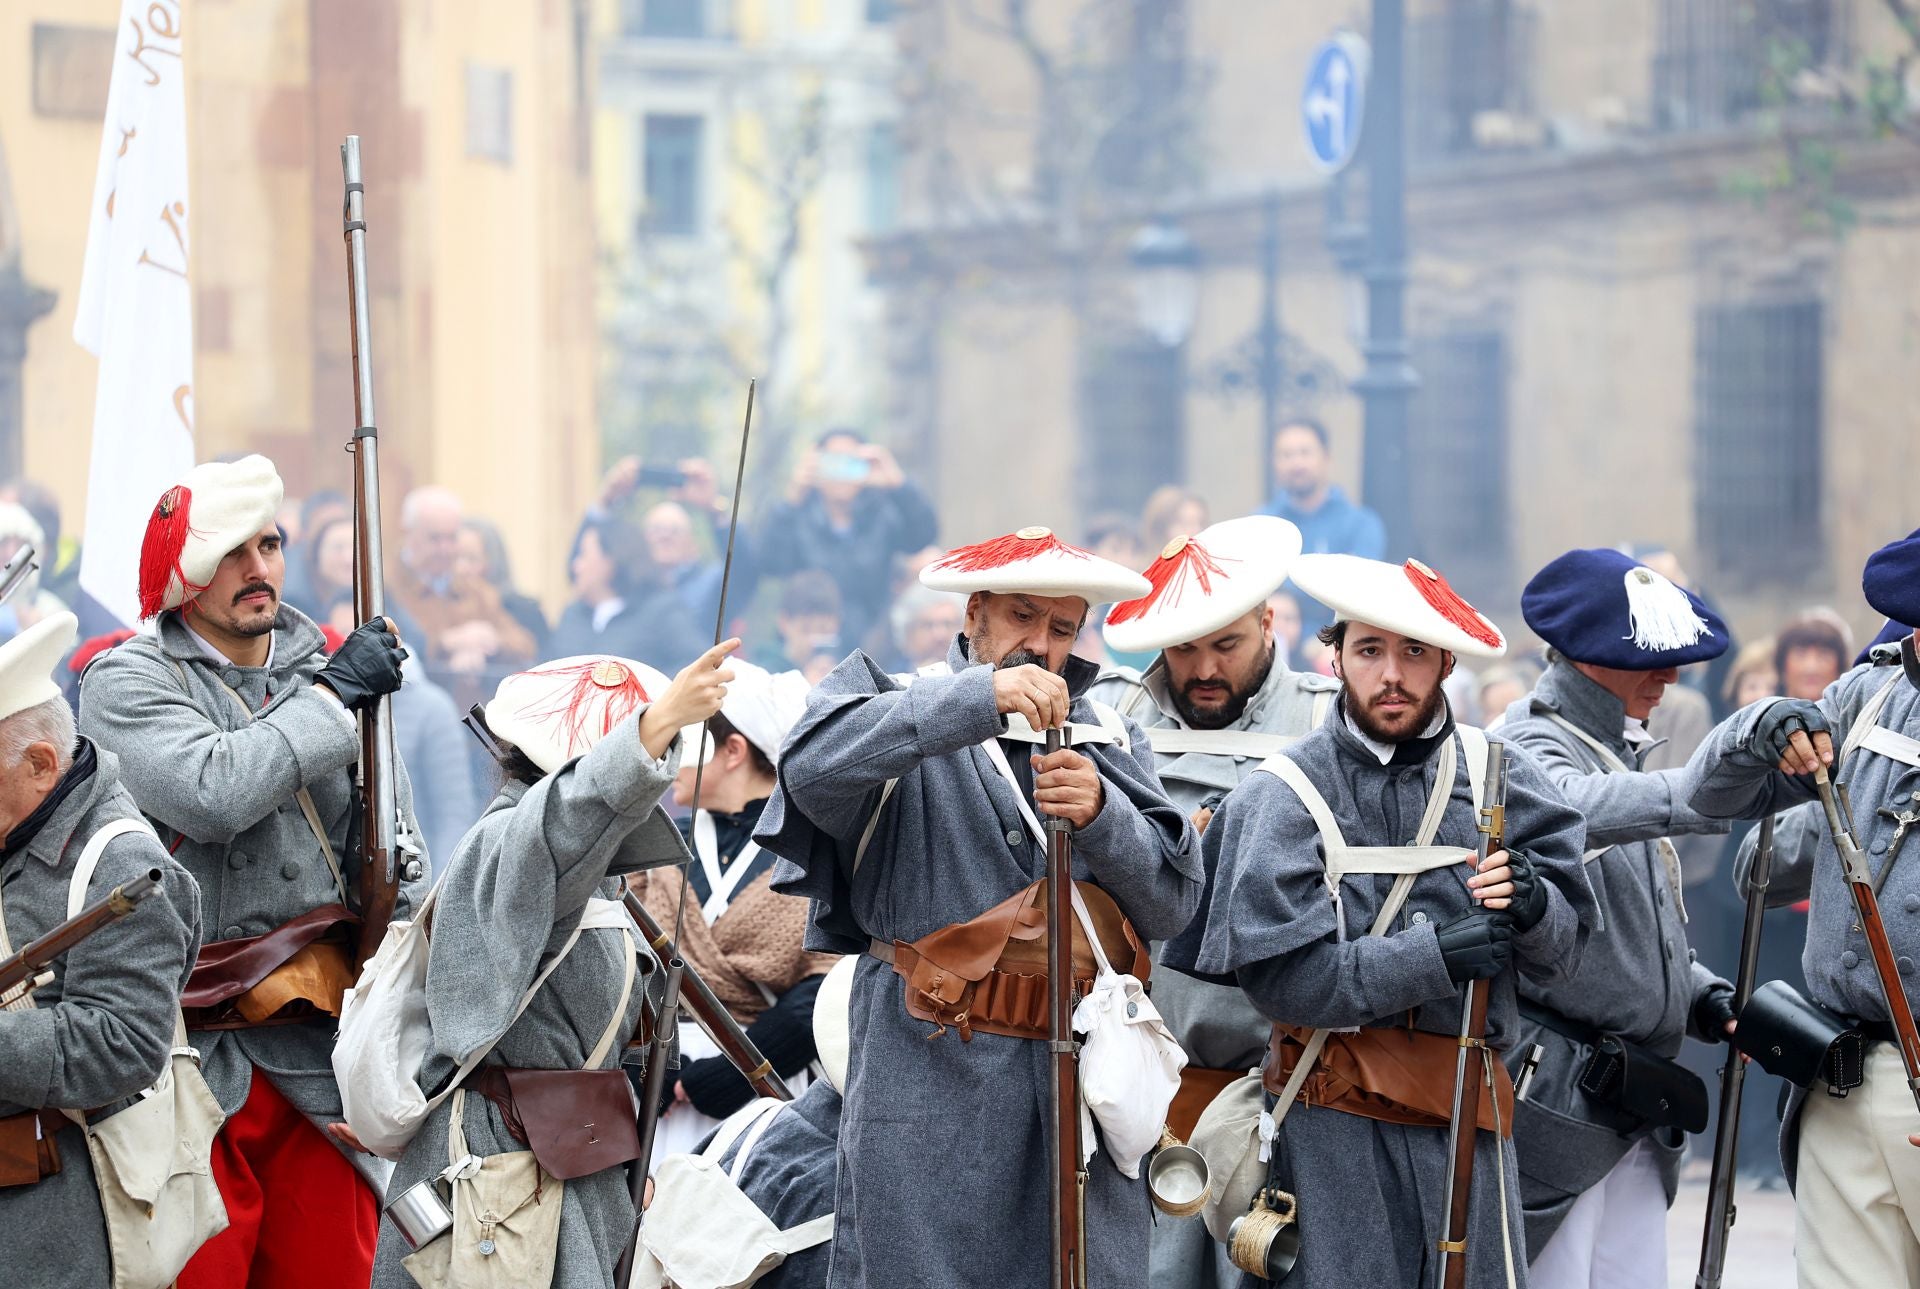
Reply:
x=1371, y=1194
x=222, y=787
x=511, y=896
x=101, y=1031
x=1637, y=978
x=943, y=1143
x=1736, y=784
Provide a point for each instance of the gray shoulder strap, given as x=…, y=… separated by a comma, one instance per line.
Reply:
x=1869, y=717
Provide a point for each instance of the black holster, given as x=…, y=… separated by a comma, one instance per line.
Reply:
x=1630, y=1077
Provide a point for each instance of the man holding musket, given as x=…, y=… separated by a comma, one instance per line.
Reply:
x=1856, y=1179
x=99, y=1032
x=1343, y=897
x=906, y=813
x=236, y=736
x=1217, y=702
x=1603, y=1126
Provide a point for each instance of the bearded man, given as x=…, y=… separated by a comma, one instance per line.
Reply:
x=1344, y=900
x=907, y=814
x=1218, y=701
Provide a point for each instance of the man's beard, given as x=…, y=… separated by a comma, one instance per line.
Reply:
x=980, y=645
x=252, y=627
x=1423, y=716
x=1226, y=713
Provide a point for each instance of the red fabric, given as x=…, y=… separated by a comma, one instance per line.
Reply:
x=302, y=1218
x=1168, y=577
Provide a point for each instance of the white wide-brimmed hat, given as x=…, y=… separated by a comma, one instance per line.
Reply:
x=27, y=662
x=1203, y=582
x=1033, y=562
x=1410, y=599
x=832, y=1021
x=214, y=510
x=560, y=709
x=763, y=705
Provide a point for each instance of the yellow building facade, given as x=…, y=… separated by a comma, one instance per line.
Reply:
x=474, y=133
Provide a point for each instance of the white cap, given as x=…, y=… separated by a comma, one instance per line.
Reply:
x=763, y=705
x=560, y=709
x=214, y=510
x=1033, y=562
x=27, y=662
x=832, y=1021
x=1410, y=599
x=1203, y=582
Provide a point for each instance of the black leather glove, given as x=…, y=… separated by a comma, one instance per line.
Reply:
x=1780, y=722
x=1529, y=892
x=365, y=666
x=1476, y=946
x=1712, y=1009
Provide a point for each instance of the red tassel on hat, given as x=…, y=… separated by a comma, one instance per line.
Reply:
x=619, y=685
x=1183, y=557
x=1011, y=549
x=1446, y=601
x=160, y=551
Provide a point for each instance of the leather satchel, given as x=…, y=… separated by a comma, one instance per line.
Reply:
x=1796, y=1039
x=575, y=1122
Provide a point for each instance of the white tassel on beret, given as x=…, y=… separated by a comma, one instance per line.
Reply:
x=1661, y=615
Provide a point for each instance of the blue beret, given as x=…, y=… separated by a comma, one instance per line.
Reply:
x=1892, y=579
x=1601, y=607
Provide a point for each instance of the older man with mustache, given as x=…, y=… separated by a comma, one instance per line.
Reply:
x=1344, y=898
x=236, y=736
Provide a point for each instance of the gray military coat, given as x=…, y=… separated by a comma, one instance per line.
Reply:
x=101, y=1031
x=942, y=1144
x=221, y=787
x=1216, y=1024
x=1736, y=784
x=1637, y=978
x=1371, y=1194
x=790, y=1177
x=511, y=896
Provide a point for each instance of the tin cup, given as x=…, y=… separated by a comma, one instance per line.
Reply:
x=423, y=1212
x=1177, y=1177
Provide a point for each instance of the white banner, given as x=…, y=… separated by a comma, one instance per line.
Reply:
x=135, y=307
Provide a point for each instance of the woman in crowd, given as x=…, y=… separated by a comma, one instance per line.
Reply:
x=619, y=605
x=482, y=556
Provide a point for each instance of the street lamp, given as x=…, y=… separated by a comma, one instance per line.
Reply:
x=1166, y=282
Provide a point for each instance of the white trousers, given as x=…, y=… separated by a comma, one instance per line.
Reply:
x=1857, y=1194
x=1614, y=1236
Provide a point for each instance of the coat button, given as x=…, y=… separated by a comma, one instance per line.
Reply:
x=1849, y=959
x=232, y=678
x=1880, y=847
x=1015, y=836
x=1905, y=964
x=289, y=870
x=231, y=933
x=236, y=861
x=1911, y=904
x=1418, y=917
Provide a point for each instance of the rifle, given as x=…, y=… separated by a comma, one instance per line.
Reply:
x=1866, y=911
x=653, y=1087
x=1068, y=1192
x=32, y=967
x=374, y=786
x=700, y=1002
x=1463, y=1131
x=14, y=575
x=1720, y=1211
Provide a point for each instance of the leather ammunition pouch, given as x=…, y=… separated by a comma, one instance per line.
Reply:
x=1796, y=1039
x=295, y=972
x=989, y=973
x=1394, y=1075
x=575, y=1122
x=1630, y=1077
x=28, y=1151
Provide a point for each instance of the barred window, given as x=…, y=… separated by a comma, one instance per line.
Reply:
x=1467, y=58
x=1757, y=432
x=670, y=168
x=1132, y=401
x=1713, y=58
x=1457, y=454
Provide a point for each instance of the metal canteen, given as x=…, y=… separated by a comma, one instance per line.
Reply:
x=423, y=1212
x=1177, y=1177
x=1264, y=1242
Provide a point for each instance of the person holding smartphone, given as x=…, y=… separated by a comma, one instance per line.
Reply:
x=849, y=511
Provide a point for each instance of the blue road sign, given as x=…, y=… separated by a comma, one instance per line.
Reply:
x=1334, y=101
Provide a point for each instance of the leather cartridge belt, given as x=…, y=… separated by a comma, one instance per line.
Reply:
x=296, y=972
x=575, y=1122
x=989, y=973
x=28, y=1151
x=1392, y=1074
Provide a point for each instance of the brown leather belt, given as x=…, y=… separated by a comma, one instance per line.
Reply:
x=1392, y=1074
x=1198, y=1087
x=989, y=973
x=28, y=1151
x=296, y=972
